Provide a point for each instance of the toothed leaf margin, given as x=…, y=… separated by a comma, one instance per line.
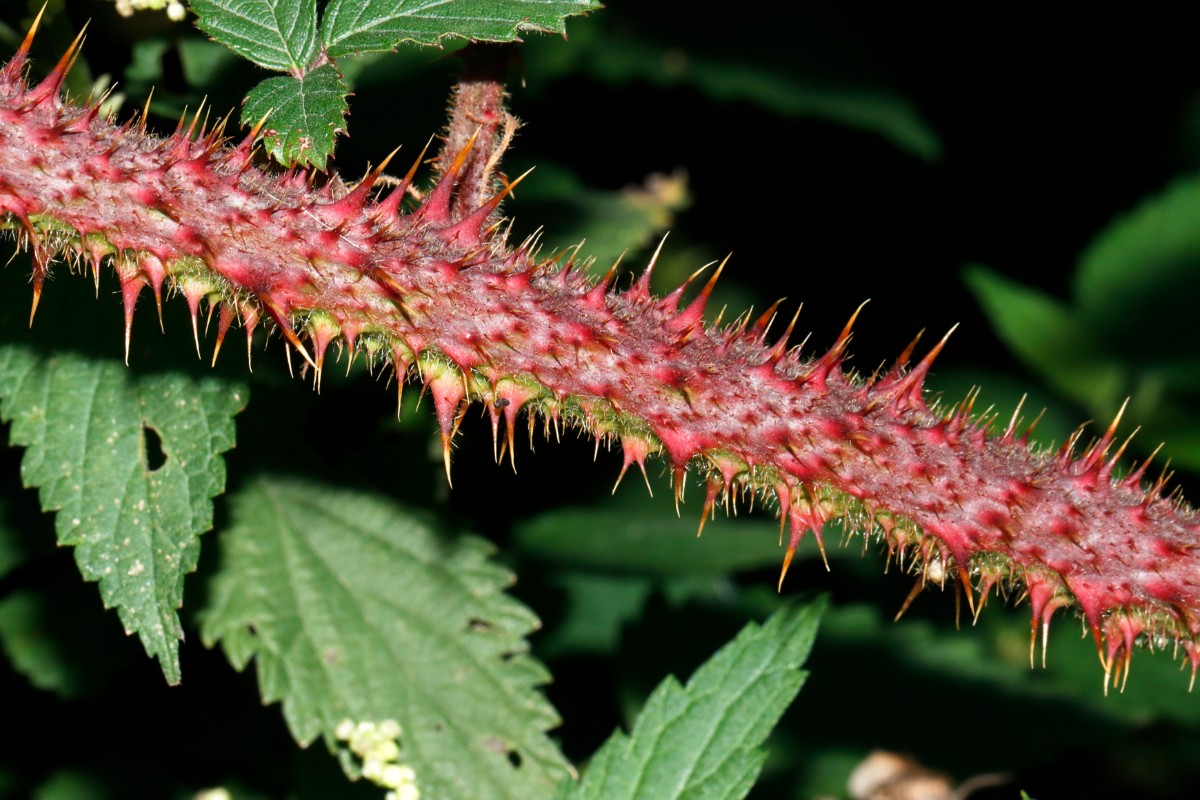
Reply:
x=134, y=524
x=702, y=740
x=354, y=607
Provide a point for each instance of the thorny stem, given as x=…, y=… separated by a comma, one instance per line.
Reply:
x=441, y=295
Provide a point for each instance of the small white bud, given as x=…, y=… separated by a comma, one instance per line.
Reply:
x=219, y=793
x=373, y=770
x=392, y=777
x=386, y=750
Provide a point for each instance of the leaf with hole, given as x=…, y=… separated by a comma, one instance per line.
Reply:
x=91, y=429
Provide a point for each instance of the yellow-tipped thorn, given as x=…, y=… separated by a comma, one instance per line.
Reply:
x=512, y=449
x=1121, y=450
x=821, y=547
x=295, y=342
x=196, y=334
x=787, y=562
x=679, y=478
x=508, y=189
x=657, y=251
x=145, y=111
x=1045, y=640
x=781, y=346
x=128, y=330
x=844, y=336
x=446, y=458
x=1016, y=416
x=196, y=118
x=218, y=131
x=412, y=171
x=643, y=283
x=978, y=610
x=1112, y=426
x=27, y=42
x=258, y=126
x=72, y=53
x=908, y=600
x=37, y=296
x=461, y=157
x=966, y=586
x=383, y=164
x=927, y=361
x=646, y=478
x=620, y=477
x=906, y=354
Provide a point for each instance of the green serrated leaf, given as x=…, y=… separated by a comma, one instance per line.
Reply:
x=358, y=26
x=703, y=740
x=133, y=522
x=303, y=115
x=355, y=608
x=276, y=34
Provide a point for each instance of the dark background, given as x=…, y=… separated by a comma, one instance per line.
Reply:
x=1040, y=125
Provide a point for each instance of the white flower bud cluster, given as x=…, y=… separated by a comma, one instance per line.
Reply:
x=218, y=793
x=175, y=9
x=378, y=745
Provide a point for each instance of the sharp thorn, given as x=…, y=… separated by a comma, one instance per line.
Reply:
x=27, y=42
x=787, y=562
x=446, y=458
x=37, y=296
x=912, y=595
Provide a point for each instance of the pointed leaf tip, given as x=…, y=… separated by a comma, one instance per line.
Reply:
x=92, y=416
x=703, y=739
